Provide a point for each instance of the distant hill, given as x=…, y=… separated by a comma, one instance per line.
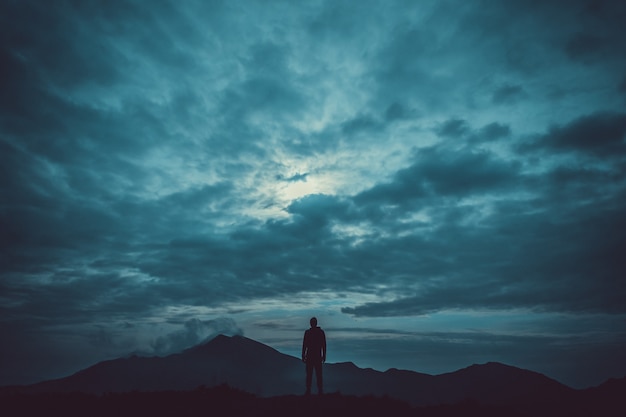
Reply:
x=258, y=369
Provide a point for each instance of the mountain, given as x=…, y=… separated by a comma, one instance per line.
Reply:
x=256, y=368
x=238, y=361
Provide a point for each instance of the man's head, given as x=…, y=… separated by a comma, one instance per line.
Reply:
x=313, y=322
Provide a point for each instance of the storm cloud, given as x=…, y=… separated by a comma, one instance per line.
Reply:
x=407, y=172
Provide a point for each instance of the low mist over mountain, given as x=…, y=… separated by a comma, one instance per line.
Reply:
x=251, y=366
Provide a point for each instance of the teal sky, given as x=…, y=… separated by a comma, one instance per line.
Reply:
x=441, y=183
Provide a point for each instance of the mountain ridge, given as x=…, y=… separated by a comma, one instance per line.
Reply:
x=261, y=370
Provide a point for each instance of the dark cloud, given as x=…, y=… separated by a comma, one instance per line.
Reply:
x=319, y=207
x=401, y=70
x=259, y=92
x=599, y=35
x=568, y=262
x=584, y=47
x=360, y=123
x=599, y=134
x=508, y=94
x=494, y=131
x=294, y=178
x=54, y=54
x=397, y=111
x=436, y=172
x=453, y=128
x=196, y=199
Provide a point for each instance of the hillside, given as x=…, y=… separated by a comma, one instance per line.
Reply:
x=263, y=372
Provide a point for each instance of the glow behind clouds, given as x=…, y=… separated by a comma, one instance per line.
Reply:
x=440, y=182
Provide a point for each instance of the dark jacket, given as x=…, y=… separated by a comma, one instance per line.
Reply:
x=314, y=345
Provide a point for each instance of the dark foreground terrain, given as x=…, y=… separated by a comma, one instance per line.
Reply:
x=226, y=401
x=234, y=367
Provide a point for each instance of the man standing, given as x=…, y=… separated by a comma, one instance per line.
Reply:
x=313, y=355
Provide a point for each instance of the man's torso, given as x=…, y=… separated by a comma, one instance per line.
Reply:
x=314, y=341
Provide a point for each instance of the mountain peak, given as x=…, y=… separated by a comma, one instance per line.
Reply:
x=492, y=366
x=346, y=365
x=221, y=338
x=489, y=367
x=218, y=340
x=233, y=346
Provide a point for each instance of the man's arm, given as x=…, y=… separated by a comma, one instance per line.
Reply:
x=304, y=348
x=323, y=346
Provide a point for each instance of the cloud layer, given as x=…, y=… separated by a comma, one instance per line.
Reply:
x=167, y=165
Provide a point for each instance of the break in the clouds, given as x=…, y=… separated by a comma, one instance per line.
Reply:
x=443, y=179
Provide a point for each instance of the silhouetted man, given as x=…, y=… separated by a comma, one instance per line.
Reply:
x=313, y=355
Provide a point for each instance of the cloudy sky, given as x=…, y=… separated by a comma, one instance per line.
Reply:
x=441, y=183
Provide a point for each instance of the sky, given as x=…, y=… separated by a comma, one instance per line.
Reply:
x=440, y=183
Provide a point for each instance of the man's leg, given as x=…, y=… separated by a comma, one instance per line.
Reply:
x=309, y=376
x=319, y=377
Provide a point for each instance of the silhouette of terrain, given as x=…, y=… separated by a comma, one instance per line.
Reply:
x=265, y=380
x=226, y=401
